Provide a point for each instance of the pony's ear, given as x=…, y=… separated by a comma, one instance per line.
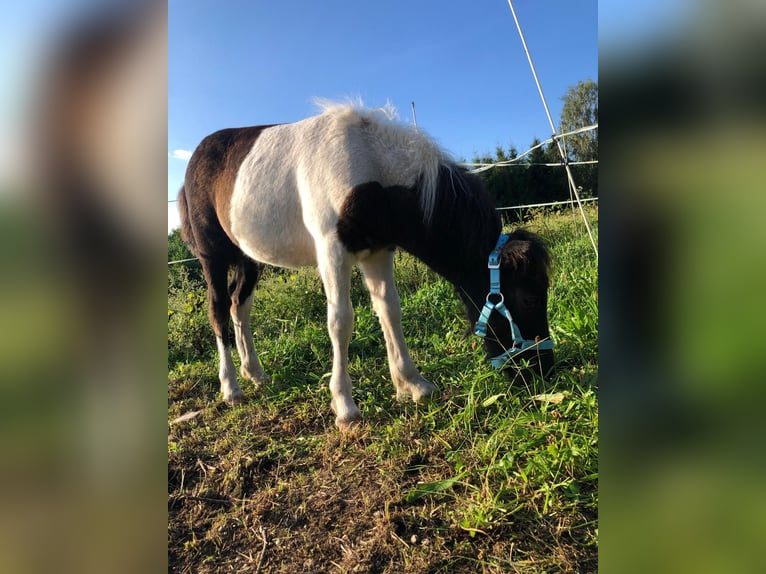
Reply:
x=526, y=252
x=516, y=254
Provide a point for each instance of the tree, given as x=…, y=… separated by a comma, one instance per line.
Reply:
x=581, y=110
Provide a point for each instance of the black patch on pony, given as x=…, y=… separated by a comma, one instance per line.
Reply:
x=460, y=233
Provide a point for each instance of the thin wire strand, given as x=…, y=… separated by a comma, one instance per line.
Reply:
x=547, y=204
x=482, y=166
x=559, y=143
x=181, y=261
x=487, y=166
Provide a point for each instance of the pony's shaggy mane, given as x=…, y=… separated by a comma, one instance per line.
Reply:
x=411, y=154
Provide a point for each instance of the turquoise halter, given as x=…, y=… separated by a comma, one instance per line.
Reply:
x=519, y=343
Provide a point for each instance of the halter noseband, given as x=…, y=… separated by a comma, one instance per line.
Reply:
x=519, y=343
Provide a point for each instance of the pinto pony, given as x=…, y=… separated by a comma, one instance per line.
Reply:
x=346, y=188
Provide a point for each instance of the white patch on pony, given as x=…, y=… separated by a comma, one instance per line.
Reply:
x=292, y=184
x=379, y=277
x=265, y=208
x=227, y=374
x=407, y=154
x=335, y=268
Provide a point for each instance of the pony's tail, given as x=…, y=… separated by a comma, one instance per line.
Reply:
x=183, y=211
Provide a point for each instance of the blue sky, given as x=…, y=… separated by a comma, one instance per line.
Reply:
x=244, y=62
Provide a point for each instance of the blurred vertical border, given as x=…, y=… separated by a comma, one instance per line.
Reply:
x=683, y=277
x=83, y=119
x=82, y=286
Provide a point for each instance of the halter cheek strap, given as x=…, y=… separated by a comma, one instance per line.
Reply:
x=519, y=343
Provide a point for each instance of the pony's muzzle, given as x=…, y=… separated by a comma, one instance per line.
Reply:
x=538, y=362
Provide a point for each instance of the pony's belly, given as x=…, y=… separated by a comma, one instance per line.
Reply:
x=287, y=254
x=269, y=228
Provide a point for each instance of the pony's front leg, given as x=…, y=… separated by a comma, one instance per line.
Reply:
x=378, y=271
x=335, y=269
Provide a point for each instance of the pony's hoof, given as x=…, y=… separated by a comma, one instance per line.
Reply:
x=263, y=380
x=235, y=399
x=425, y=393
x=259, y=378
x=419, y=392
x=349, y=421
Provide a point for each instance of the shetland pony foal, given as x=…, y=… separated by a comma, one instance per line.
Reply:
x=345, y=188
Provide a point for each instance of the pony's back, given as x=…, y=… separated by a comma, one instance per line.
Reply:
x=404, y=155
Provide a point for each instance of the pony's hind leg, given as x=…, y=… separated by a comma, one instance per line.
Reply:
x=246, y=275
x=216, y=272
x=378, y=271
x=335, y=269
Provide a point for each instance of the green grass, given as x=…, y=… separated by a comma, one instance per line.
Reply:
x=487, y=477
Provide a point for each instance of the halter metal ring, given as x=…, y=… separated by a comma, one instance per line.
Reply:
x=502, y=298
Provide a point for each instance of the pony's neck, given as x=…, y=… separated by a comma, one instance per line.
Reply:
x=458, y=237
x=454, y=241
x=458, y=253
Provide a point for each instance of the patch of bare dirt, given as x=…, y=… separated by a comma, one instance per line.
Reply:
x=296, y=496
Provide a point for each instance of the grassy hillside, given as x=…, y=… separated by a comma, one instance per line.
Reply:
x=486, y=478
